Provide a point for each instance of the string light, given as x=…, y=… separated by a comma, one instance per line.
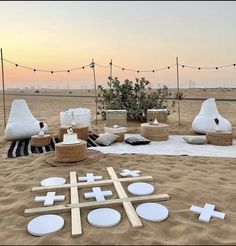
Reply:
x=47, y=71
x=199, y=68
x=92, y=65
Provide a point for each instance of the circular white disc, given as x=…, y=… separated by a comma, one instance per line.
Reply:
x=152, y=211
x=104, y=217
x=45, y=224
x=53, y=181
x=141, y=189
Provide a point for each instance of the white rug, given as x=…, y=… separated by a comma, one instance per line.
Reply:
x=175, y=145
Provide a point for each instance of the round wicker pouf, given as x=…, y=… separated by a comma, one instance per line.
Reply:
x=39, y=141
x=219, y=138
x=71, y=152
x=153, y=132
x=81, y=130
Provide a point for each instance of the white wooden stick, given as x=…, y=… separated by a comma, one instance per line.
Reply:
x=76, y=227
x=129, y=209
x=91, y=184
x=95, y=204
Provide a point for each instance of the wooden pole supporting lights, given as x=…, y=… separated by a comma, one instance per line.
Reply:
x=75, y=206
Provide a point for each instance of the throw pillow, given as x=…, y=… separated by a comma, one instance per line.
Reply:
x=195, y=140
x=137, y=140
x=106, y=138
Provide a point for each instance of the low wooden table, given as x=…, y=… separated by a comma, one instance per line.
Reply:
x=219, y=138
x=81, y=130
x=120, y=131
x=153, y=132
x=39, y=141
x=71, y=152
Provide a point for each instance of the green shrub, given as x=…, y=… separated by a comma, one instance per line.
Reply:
x=135, y=97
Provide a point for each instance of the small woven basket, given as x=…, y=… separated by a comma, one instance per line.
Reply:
x=39, y=141
x=71, y=152
x=81, y=130
x=158, y=132
x=219, y=138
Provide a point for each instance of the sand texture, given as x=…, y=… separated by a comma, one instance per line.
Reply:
x=188, y=180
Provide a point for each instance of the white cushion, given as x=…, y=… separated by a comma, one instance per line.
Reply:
x=21, y=123
x=79, y=115
x=205, y=120
x=195, y=140
x=106, y=138
x=66, y=117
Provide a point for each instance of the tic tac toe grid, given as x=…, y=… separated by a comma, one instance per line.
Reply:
x=75, y=206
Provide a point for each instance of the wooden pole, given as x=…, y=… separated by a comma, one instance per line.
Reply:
x=95, y=90
x=110, y=78
x=3, y=92
x=177, y=69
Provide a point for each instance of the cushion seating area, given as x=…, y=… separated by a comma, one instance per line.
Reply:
x=205, y=120
x=21, y=123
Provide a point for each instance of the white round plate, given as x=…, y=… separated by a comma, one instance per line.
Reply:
x=45, y=224
x=104, y=217
x=53, y=181
x=152, y=211
x=78, y=141
x=141, y=189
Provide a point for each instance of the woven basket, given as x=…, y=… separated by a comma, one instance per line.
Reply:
x=39, y=141
x=158, y=132
x=81, y=130
x=233, y=132
x=71, y=152
x=219, y=138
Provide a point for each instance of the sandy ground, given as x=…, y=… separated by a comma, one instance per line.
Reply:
x=188, y=181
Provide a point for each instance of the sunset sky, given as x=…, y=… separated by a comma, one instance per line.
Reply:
x=139, y=35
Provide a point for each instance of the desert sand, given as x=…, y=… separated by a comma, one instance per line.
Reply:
x=188, y=180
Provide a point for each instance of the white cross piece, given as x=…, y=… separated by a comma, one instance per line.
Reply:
x=98, y=194
x=49, y=199
x=89, y=178
x=127, y=172
x=207, y=212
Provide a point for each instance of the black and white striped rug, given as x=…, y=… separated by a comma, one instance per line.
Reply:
x=24, y=148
